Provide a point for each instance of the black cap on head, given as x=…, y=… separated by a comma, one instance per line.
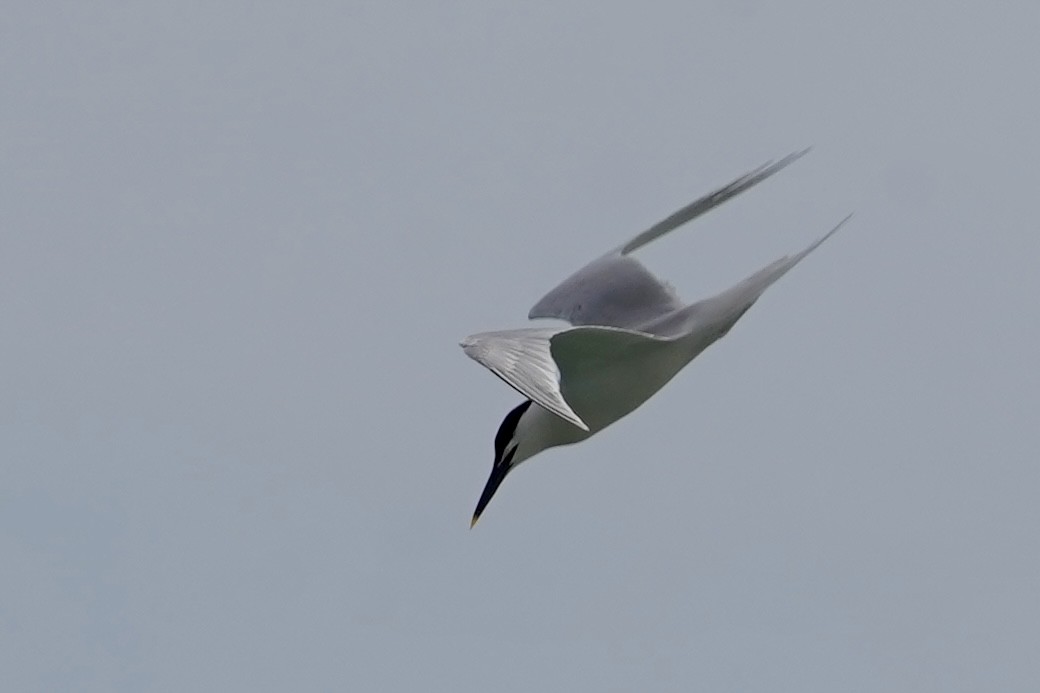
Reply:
x=508, y=428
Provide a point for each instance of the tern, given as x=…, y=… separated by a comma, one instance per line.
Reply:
x=629, y=335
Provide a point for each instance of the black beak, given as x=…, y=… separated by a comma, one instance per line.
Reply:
x=498, y=473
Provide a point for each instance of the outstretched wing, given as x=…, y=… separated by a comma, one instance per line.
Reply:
x=613, y=291
x=616, y=290
x=523, y=358
x=531, y=360
x=721, y=312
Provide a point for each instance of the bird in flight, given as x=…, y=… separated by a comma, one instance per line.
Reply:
x=629, y=334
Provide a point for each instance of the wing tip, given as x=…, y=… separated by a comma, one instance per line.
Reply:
x=771, y=167
x=837, y=227
x=471, y=346
x=578, y=422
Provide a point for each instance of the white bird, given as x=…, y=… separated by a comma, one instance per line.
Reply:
x=629, y=335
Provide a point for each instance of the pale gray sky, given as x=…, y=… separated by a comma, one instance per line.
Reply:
x=239, y=243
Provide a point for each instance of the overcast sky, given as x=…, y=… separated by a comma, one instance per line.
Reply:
x=240, y=447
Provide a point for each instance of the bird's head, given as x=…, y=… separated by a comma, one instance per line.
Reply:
x=507, y=455
x=525, y=431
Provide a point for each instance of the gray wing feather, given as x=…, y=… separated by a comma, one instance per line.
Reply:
x=750, y=289
x=523, y=359
x=724, y=309
x=710, y=201
x=616, y=290
x=613, y=291
x=532, y=360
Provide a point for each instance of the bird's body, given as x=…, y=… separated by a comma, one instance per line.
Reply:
x=629, y=335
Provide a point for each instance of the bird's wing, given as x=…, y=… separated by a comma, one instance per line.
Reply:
x=533, y=360
x=523, y=358
x=613, y=291
x=710, y=201
x=616, y=290
x=725, y=308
